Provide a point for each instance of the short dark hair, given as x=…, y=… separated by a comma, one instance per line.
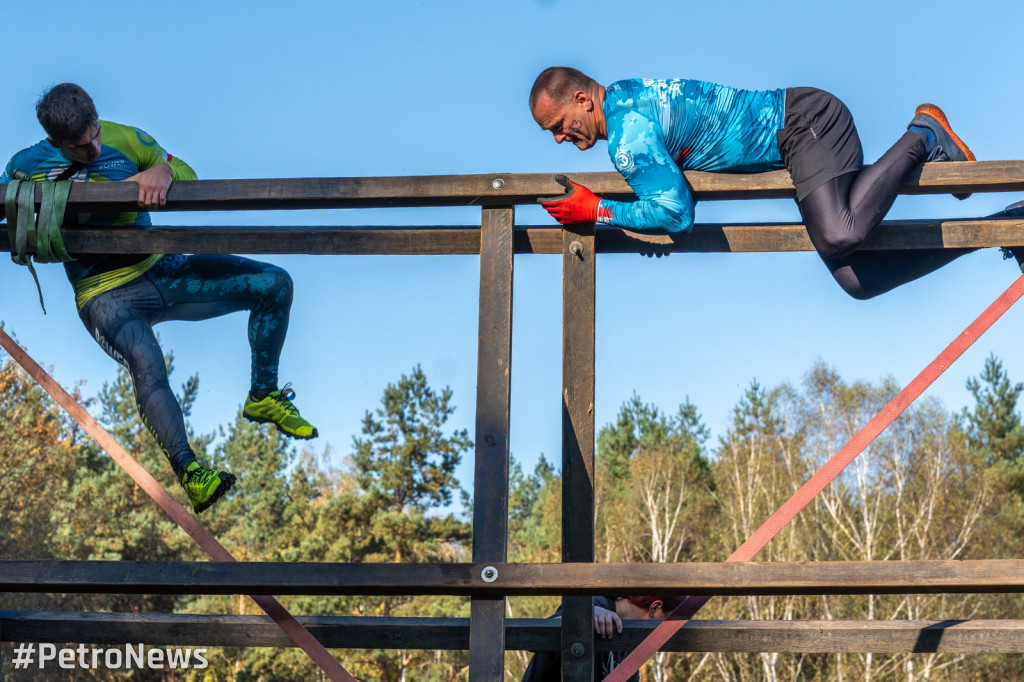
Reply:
x=669, y=602
x=66, y=112
x=560, y=82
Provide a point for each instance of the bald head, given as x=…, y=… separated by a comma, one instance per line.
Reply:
x=560, y=82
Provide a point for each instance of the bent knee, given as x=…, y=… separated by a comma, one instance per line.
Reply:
x=852, y=285
x=274, y=283
x=282, y=280
x=836, y=245
x=858, y=293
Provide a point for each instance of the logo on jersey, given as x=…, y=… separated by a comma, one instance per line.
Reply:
x=81, y=175
x=144, y=137
x=624, y=162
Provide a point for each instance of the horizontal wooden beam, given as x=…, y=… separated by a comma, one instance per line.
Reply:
x=818, y=636
x=496, y=189
x=451, y=240
x=826, y=577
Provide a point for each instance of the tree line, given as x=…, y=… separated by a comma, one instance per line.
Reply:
x=935, y=485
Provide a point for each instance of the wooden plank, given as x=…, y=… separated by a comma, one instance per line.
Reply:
x=291, y=239
x=890, y=235
x=493, y=399
x=496, y=189
x=754, y=578
x=578, y=314
x=453, y=239
x=811, y=636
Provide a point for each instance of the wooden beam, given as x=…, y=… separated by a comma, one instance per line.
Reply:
x=754, y=578
x=493, y=410
x=578, y=315
x=453, y=239
x=495, y=189
x=817, y=636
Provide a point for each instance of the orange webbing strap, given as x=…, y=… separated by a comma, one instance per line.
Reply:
x=189, y=524
x=678, y=618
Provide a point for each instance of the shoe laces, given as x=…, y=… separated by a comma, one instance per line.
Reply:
x=938, y=154
x=199, y=476
x=285, y=396
x=288, y=392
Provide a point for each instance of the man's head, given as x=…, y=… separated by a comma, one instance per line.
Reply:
x=69, y=118
x=647, y=607
x=568, y=103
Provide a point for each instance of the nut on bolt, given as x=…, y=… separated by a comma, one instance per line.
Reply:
x=576, y=249
x=489, y=574
x=577, y=649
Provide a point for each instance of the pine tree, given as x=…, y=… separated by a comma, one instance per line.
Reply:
x=405, y=467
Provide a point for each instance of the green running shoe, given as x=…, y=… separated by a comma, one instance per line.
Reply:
x=277, y=409
x=205, y=486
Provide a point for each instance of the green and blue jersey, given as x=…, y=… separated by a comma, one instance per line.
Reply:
x=658, y=128
x=126, y=151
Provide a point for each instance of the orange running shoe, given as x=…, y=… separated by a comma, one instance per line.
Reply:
x=948, y=145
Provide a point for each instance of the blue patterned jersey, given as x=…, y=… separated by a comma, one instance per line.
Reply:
x=656, y=128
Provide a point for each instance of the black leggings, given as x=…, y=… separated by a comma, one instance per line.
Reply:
x=188, y=288
x=841, y=214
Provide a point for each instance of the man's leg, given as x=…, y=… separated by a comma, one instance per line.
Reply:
x=119, y=320
x=201, y=287
x=866, y=274
x=841, y=214
x=841, y=202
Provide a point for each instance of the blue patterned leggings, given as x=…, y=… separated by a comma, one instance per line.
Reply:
x=188, y=288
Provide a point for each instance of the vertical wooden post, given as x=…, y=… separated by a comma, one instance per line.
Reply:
x=493, y=395
x=578, y=289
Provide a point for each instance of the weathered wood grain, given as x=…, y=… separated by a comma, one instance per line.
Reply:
x=812, y=636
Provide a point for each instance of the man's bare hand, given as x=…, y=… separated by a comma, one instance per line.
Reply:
x=153, y=185
x=606, y=623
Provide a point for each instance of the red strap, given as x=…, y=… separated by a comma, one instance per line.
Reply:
x=189, y=524
x=678, y=618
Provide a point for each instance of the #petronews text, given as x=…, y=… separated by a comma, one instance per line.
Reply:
x=92, y=658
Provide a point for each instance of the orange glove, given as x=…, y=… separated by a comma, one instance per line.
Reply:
x=578, y=205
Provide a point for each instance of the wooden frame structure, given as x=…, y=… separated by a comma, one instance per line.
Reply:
x=488, y=580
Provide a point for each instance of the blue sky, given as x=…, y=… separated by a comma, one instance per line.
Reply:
x=260, y=89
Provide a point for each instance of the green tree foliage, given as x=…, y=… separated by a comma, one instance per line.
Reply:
x=40, y=447
x=995, y=434
x=535, y=536
x=535, y=507
x=405, y=466
x=933, y=486
x=104, y=515
x=654, y=484
x=292, y=506
x=993, y=427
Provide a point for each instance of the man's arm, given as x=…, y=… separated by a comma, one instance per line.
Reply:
x=664, y=202
x=157, y=170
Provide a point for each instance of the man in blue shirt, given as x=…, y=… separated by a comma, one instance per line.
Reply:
x=658, y=128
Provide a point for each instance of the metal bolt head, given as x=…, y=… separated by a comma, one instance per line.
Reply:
x=497, y=183
x=489, y=574
x=577, y=649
